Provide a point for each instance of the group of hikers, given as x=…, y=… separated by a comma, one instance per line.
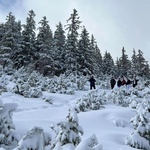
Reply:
x=123, y=81
x=119, y=82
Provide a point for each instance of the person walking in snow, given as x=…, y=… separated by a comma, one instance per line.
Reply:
x=119, y=83
x=92, y=83
x=112, y=82
x=123, y=81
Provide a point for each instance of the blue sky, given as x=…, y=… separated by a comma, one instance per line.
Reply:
x=114, y=23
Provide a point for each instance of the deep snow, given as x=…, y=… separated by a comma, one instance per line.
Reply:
x=110, y=125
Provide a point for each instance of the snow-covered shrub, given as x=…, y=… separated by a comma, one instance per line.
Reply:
x=117, y=96
x=8, y=135
x=91, y=101
x=91, y=143
x=61, y=85
x=21, y=73
x=133, y=102
x=64, y=84
x=146, y=91
x=81, y=82
x=28, y=85
x=69, y=131
x=34, y=139
x=136, y=141
x=139, y=117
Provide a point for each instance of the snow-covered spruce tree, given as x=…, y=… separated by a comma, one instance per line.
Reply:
x=140, y=138
x=91, y=101
x=34, y=139
x=97, y=61
x=69, y=131
x=8, y=42
x=107, y=64
x=71, y=42
x=142, y=65
x=2, y=30
x=134, y=63
x=8, y=135
x=86, y=60
x=59, y=51
x=28, y=39
x=124, y=62
x=44, y=44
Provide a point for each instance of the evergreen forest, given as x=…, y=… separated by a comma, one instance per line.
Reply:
x=68, y=49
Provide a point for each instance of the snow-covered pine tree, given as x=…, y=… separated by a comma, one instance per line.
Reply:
x=8, y=135
x=44, y=44
x=69, y=131
x=71, y=42
x=2, y=30
x=134, y=63
x=107, y=64
x=125, y=63
x=140, y=138
x=34, y=139
x=84, y=54
x=9, y=41
x=142, y=65
x=96, y=56
x=59, y=49
x=17, y=55
x=28, y=39
x=98, y=61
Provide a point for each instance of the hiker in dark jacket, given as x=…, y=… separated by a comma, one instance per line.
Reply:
x=119, y=83
x=92, y=83
x=128, y=83
x=112, y=82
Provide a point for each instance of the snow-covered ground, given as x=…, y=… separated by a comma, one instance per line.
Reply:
x=110, y=125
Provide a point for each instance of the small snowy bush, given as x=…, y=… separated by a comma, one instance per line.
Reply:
x=34, y=139
x=28, y=85
x=136, y=141
x=141, y=136
x=91, y=143
x=91, y=101
x=68, y=131
x=8, y=136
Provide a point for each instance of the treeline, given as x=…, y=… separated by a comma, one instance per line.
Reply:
x=69, y=49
